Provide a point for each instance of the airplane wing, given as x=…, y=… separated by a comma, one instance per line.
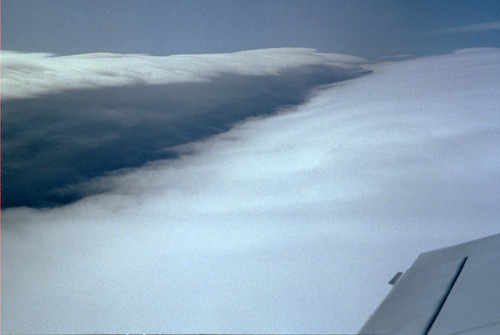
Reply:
x=455, y=290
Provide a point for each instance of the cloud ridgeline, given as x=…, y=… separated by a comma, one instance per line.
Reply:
x=27, y=75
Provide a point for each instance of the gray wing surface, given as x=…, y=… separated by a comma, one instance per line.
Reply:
x=455, y=290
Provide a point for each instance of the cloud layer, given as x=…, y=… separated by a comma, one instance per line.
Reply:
x=291, y=223
x=29, y=75
x=79, y=117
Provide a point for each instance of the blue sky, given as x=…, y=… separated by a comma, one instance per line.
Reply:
x=368, y=29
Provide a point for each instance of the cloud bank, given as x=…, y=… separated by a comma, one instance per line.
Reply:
x=290, y=223
x=68, y=119
x=30, y=75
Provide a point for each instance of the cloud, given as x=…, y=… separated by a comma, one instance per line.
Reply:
x=289, y=223
x=31, y=75
x=52, y=144
x=495, y=25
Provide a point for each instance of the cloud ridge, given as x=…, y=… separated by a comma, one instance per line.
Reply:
x=34, y=74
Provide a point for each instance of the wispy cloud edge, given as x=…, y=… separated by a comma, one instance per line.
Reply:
x=495, y=25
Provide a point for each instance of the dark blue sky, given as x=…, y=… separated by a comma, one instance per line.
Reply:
x=368, y=29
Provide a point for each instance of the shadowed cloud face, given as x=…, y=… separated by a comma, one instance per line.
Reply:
x=52, y=144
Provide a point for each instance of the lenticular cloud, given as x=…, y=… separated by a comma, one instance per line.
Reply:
x=291, y=223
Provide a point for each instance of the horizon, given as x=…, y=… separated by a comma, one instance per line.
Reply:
x=368, y=29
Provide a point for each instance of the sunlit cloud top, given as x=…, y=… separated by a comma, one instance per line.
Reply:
x=289, y=222
x=30, y=75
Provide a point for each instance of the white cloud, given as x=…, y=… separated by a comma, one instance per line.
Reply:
x=29, y=75
x=287, y=224
x=471, y=28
